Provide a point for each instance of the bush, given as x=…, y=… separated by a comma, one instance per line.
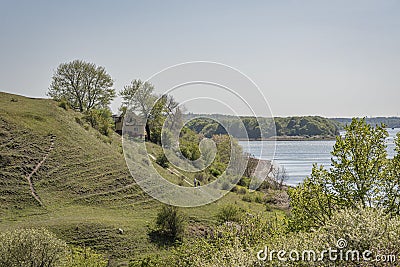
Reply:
x=101, y=120
x=242, y=191
x=63, y=104
x=229, y=213
x=245, y=182
x=85, y=257
x=247, y=198
x=362, y=229
x=31, y=247
x=268, y=207
x=162, y=160
x=235, y=245
x=149, y=261
x=215, y=172
x=258, y=199
x=171, y=222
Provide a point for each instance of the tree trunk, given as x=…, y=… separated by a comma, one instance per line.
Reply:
x=147, y=131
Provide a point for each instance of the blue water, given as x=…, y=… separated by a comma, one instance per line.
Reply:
x=298, y=156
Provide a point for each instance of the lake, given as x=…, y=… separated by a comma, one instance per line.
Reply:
x=298, y=156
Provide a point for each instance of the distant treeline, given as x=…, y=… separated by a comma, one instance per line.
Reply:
x=390, y=122
x=249, y=127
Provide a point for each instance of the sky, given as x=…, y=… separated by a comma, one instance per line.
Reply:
x=328, y=58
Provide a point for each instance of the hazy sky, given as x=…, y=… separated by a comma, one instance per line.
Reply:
x=330, y=58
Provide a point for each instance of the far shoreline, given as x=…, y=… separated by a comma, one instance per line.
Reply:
x=292, y=138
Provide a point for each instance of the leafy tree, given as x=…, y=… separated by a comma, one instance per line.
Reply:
x=83, y=85
x=359, y=165
x=139, y=96
x=189, y=144
x=360, y=176
x=312, y=204
x=392, y=184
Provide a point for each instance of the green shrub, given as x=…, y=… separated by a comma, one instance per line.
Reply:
x=268, y=207
x=162, y=160
x=84, y=257
x=215, y=172
x=101, y=120
x=245, y=182
x=63, y=104
x=171, y=222
x=229, y=213
x=258, y=199
x=149, y=261
x=237, y=244
x=234, y=244
x=242, y=191
x=362, y=229
x=235, y=189
x=247, y=198
x=360, y=175
x=31, y=247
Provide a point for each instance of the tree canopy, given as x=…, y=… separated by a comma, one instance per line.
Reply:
x=140, y=98
x=83, y=85
x=290, y=126
x=361, y=175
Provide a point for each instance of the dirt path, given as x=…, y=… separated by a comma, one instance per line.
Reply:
x=180, y=175
x=29, y=177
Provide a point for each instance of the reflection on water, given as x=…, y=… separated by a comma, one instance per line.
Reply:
x=298, y=156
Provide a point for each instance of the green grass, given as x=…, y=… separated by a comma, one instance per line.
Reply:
x=84, y=184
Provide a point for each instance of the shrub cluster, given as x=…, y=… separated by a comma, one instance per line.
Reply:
x=41, y=248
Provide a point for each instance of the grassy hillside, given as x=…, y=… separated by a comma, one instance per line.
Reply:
x=83, y=184
x=82, y=166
